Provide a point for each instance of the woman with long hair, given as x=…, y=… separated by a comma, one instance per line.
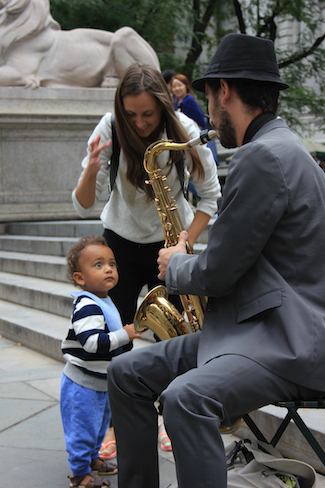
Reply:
x=144, y=113
x=187, y=104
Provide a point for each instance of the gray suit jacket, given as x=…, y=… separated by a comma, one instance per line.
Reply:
x=264, y=266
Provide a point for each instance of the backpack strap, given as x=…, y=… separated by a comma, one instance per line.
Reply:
x=115, y=158
x=180, y=172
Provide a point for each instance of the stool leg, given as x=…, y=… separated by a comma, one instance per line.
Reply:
x=292, y=414
x=256, y=431
x=308, y=435
x=282, y=428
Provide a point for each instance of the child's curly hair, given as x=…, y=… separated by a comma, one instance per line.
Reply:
x=75, y=251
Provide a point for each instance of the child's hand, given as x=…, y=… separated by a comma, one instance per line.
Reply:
x=131, y=332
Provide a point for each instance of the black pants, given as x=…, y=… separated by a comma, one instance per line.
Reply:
x=137, y=266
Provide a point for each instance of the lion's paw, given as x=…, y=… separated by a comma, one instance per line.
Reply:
x=110, y=82
x=32, y=82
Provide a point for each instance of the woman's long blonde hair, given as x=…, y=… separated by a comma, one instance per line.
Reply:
x=136, y=80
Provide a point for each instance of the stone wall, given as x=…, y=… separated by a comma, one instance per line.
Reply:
x=43, y=138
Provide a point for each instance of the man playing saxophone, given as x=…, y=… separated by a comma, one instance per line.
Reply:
x=263, y=273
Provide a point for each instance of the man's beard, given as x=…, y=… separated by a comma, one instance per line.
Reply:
x=225, y=127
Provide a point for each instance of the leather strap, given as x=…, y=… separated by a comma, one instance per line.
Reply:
x=256, y=124
x=115, y=158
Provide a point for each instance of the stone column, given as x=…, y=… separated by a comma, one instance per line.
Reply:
x=43, y=139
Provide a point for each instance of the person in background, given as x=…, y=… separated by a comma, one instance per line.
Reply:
x=263, y=273
x=168, y=74
x=95, y=336
x=181, y=88
x=186, y=103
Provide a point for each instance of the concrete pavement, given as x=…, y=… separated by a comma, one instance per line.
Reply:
x=32, y=448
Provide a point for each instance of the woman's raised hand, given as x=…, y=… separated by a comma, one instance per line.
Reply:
x=96, y=148
x=86, y=189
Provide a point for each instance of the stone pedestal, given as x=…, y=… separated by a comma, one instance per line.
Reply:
x=43, y=139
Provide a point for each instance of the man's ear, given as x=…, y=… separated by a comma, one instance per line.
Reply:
x=225, y=91
x=77, y=276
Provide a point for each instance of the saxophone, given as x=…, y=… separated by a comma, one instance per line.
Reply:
x=155, y=311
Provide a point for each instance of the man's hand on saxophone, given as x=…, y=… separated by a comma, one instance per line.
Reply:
x=165, y=253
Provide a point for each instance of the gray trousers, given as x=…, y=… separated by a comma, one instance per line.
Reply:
x=196, y=401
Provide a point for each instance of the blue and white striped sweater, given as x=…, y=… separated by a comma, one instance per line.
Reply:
x=90, y=345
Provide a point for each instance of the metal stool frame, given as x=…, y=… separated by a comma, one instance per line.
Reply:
x=292, y=414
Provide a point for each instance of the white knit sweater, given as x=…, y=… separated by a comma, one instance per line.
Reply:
x=127, y=212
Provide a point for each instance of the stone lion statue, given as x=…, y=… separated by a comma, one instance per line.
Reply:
x=34, y=51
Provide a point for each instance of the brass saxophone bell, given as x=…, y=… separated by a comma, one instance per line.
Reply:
x=159, y=315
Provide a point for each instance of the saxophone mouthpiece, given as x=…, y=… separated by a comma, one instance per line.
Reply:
x=204, y=137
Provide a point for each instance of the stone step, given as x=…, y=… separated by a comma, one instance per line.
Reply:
x=72, y=228
x=36, y=265
x=38, y=330
x=53, y=246
x=44, y=266
x=41, y=294
x=35, y=329
x=46, y=295
x=64, y=228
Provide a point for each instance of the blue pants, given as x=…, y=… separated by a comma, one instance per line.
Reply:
x=85, y=417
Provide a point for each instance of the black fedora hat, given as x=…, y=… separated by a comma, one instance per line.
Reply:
x=241, y=56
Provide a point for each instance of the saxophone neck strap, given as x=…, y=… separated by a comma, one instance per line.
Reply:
x=256, y=124
x=251, y=130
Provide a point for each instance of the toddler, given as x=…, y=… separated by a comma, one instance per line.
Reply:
x=95, y=336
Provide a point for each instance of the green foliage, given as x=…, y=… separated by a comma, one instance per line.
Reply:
x=301, y=62
x=306, y=93
x=150, y=18
x=71, y=14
